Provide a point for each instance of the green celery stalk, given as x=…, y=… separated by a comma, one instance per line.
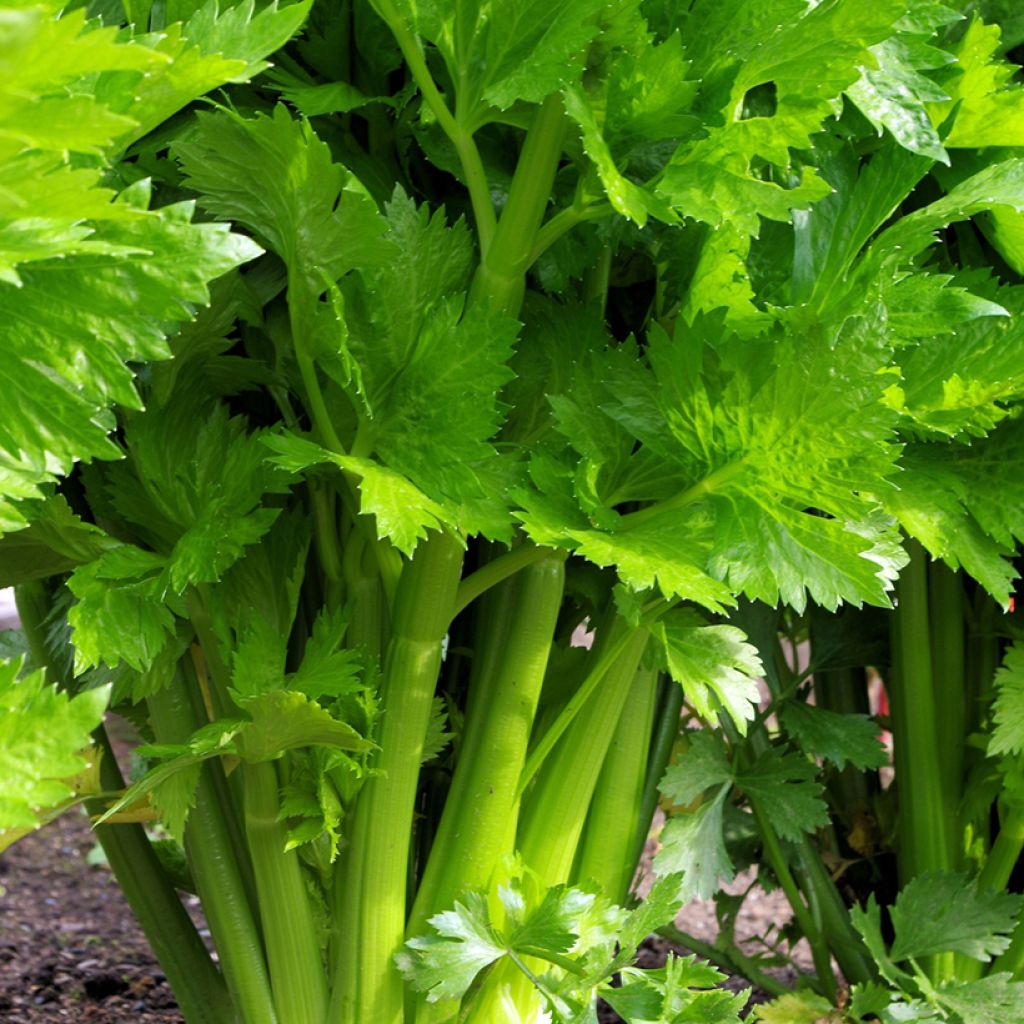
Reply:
x=949, y=692
x=666, y=729
x=925, y=827
x=500, y=280
x=556, y=810
x=616, y=818
x=482, y=805
x=293, y=947
x=214, y=865
x=371, y=882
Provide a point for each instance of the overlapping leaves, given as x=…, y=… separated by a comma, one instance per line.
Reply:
x=87, y=283
x=707, y=429
x=781, y=785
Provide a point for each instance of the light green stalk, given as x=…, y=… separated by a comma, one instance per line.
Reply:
x=214, y=865
x=666, y=730
x=609, y=848
x=500, y=280
x=556, y=810
x=293, y=947
x=949, y=693
x=371, y=912
x=482, y=805
x=927, y=817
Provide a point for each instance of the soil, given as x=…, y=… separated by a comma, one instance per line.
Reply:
x=70, y=949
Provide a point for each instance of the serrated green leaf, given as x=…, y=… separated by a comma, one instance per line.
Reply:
x=282, y=720
x=1008, y=707
x=989, y=105
x=993, y=1000
x=715, y=666
x=895, y=94
x=939, y=913
x=692, y=843
x=327, y=669
x=120, y=613
x=192, y=486
x=173, y=779
x=72, y=324
x=56, y=541
x=721, y=502
x=437, y=736
x=658, y=908
x=868, y=923
x=275, y=177
x=701, y=765
x=675, y=993
x=310, y=801
x=403, y=513
x=211, y=48
x=43, y=733
x=869, y=998
x=963, y=504
x=796, y=1008
x=963, y=383
x=257, y=661
x=786, y=790
x=810, y=56
x=431, y=367
x=835, y=737
x=444, y=965
x=501, y=51
x=628, y=198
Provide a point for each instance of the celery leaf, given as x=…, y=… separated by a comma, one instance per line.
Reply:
x=840, y=738
x=43, y=733
x=939, y=913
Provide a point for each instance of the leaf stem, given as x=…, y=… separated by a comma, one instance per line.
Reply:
x=808, y=925
x=500, y=280
x=478, y=824
x=566, y=963
x=497, y=569
x=731, y=960
x=293, y=948
x=688, y=496
x=563, y=222
x=469, y=155
x=215, y=869
x=366, y=984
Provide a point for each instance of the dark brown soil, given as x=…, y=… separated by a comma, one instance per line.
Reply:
x=70, y=949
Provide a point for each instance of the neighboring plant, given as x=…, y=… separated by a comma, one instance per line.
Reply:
x=667, y=321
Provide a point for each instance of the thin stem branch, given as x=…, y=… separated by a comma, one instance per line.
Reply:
x=731, y=960
x=496, y=570
x=777, y=859
x=579, y=699
x=563, y=222
x=469, y=155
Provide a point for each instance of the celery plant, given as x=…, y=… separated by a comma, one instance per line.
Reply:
x=498, y=320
